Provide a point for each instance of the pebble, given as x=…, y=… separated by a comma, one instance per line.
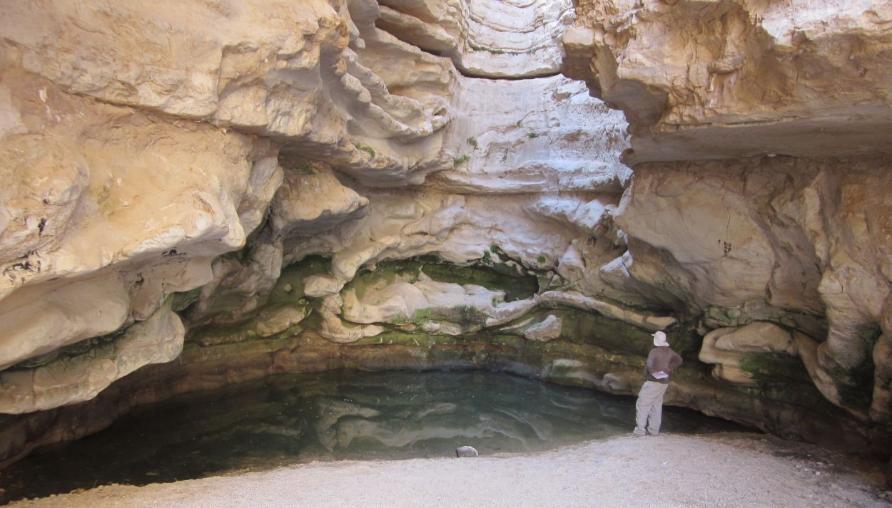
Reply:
x=466, y=451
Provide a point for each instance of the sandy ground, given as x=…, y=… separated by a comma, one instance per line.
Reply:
x=669, y=470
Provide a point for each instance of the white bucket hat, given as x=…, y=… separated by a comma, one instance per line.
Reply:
x=660, y=339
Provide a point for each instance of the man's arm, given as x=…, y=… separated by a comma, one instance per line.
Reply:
x=649, y=364
x=676, y=361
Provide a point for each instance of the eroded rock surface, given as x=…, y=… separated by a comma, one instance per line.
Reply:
x=74, y=376
x=706, y=80
x=508, y=39
x=298, y=187
x=790, y=226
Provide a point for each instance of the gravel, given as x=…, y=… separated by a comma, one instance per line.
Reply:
x=732, y=469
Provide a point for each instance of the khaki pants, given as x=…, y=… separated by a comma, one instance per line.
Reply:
x=649, y=408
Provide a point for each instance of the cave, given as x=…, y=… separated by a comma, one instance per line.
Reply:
x=241, y=238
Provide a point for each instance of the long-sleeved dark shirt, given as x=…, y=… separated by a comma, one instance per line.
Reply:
x=662, y=359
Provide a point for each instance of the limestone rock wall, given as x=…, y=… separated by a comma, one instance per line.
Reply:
x=142, y=142
x=718, y=79
x=760, y=189
x=191, y=150
x=108, y=210
x=75, y=376
x=315, y=74
x=280, y=186
x=484, y=39
x=799, y=242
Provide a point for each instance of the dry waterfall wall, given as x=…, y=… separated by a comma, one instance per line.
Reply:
x=205, y=194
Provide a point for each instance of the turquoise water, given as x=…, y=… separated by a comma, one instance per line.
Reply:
x=333, y=416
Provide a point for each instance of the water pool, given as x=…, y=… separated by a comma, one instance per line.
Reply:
x=333, y=416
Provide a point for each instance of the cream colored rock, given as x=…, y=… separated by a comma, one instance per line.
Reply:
x=37, y=320
x=564, y=140
x=310, y=73
x=461, y=229
x=510, y=311
x=405, y=301
x=313, y=201
x=69, y=379
x=134, y=209
x=727, y=348
x=587, y=216
x=848, y=220
x=318, y=286
x=279, y=320
x=485, y=39
x=757, y=337
x=458, y=228
x=309, y=202
x=705, y=80
x=644, y=320
x=787, y=240
x=336, y=330
x=153, y=283
x=545, y=330
x=402, y=301
x=722, y=247
x=203, y=184
x=268, y=322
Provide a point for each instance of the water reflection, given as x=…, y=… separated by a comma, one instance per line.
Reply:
x=332, y=416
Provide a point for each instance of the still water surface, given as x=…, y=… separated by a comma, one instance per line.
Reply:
x=333, y=416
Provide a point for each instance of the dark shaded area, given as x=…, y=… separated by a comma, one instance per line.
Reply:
x=337, y=415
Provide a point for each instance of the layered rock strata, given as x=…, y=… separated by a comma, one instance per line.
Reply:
x=782, y=245
x=718, y=79
x=311, y=186
x=510, y=39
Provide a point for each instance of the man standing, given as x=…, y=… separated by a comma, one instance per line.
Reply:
x=661, y=361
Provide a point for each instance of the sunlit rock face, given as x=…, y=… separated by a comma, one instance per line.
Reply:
x=560, y=141
x=144, y=143
x=508, y=39
x=78, y=375
x=297, y=187
x=107, y=211
x=314, y=74
x=800, y=242
x=781, y=245
x=705, y=80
